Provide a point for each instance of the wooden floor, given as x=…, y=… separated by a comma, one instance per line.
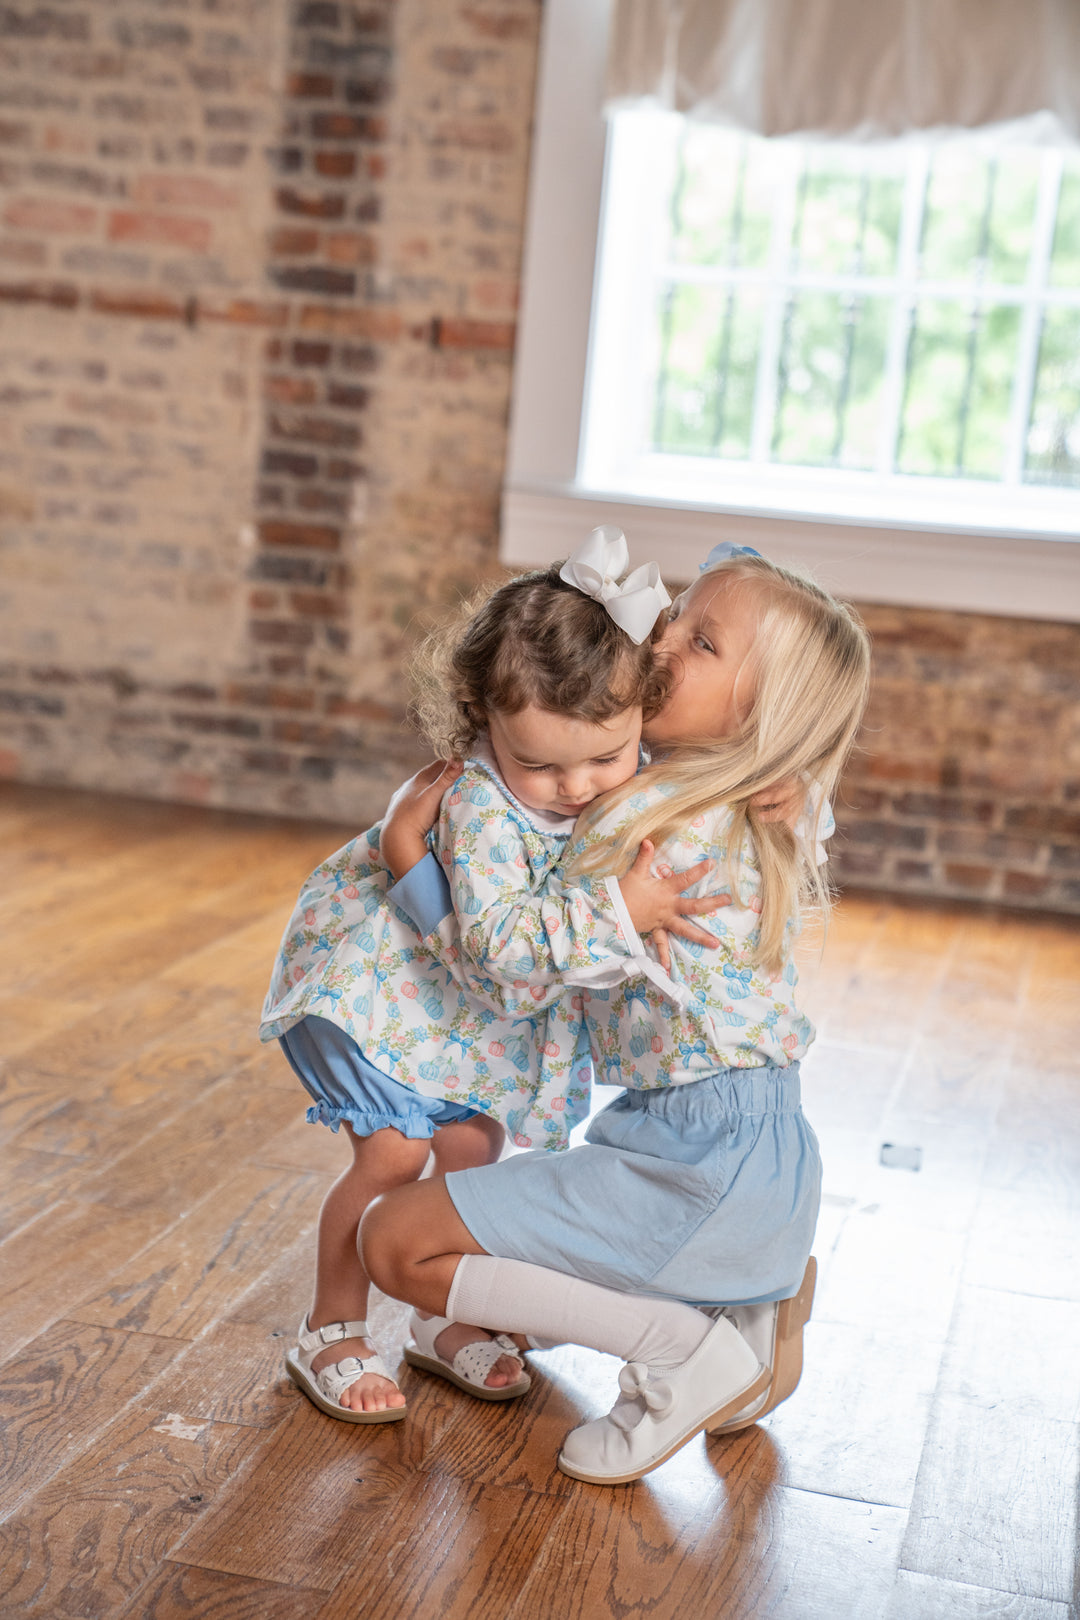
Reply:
x=158, y=1189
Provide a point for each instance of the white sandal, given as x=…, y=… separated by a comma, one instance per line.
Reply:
x=470, y=1366
x=326, y=1387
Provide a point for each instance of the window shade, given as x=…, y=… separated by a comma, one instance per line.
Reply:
x=849, y=67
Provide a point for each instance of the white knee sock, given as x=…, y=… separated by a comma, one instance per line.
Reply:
x=517, y=1297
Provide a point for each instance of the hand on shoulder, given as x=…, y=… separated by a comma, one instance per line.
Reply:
x=412, y=812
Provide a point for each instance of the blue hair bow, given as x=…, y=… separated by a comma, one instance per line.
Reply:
x=723, y=551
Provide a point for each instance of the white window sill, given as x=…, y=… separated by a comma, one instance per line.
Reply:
x=972, y=570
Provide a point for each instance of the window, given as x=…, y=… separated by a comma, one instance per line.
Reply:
x=845, y=356
x=838, y=324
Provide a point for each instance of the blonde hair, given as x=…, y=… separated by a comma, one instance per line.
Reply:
x=532, y=640
x=810, y=669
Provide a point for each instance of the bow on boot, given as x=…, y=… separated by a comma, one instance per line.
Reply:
x=640, y=1395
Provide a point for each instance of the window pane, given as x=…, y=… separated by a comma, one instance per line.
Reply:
x=1012, y=216
x=705, y=389
x=831, y=379
x=849, y=216
x=960, y=366
x=725, y=190
x=1065, y=264
x=858, y=308
x=1053, y=446
x=955, y=204
x=979, y=214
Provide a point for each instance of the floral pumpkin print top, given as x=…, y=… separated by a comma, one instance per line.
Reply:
x=573, y=941
x=352, y=954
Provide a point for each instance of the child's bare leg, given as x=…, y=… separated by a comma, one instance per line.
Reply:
x=413, y=1242
x=466, y=1143
x=461, y=1146
x=380, y=1162
x=411, y=1246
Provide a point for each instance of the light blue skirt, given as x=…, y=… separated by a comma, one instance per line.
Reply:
x=706, y=1193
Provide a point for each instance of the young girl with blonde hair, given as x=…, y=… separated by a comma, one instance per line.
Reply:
x=698, y=1187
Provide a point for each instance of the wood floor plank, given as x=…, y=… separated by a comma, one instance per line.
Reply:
x=856, y=1425
x=951, y=1081
x=452, y=1550
x=995, y=1501
x=186, y=1157
x=1036, y=1144
x=45, y=829
x=941, y=1196
x=887, y=1276
x=189, y=1277
x=135, y=953
x=156, y=1013
x=300, y=1146
x=1019, y=1353
x=516, y=1443
x=1024, y=1244
x=25, y=1020
x=69, y=1250
x=240, y=961
x=31, y=1182
x=310, y=1506
x=85, y=874
x=896, y=980
x=183, y=1592
x=829, y=958
x=99, y=1529
x=97, y=1122
x=60, y=1391
x=850, y=1085
x=918, y=1597
x=746, y=1550
x=179, y=868
x=82, y=1095
x=279, y=1292
x=234, y=1373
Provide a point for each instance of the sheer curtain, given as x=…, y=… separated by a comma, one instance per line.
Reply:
x=849, y=67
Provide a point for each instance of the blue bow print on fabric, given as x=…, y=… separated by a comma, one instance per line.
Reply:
x=739, y=980
x=723, y=551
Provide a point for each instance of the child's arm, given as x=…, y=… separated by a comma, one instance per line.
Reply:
x=411, y=814
x=518, y=947
x=801, y=803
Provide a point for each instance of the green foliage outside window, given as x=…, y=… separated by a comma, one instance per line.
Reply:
x=903, y=358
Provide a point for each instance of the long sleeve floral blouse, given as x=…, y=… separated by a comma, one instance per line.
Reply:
x=572, y=941
x=351, y=953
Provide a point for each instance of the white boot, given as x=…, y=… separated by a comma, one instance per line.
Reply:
x=775, y=1333
x=661, y=1409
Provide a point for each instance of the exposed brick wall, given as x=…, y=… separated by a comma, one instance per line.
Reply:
x=256, y=327
x=133, y=208
x=258, y=283
x=967, y=777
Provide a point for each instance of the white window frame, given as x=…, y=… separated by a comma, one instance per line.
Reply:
x=973, y=566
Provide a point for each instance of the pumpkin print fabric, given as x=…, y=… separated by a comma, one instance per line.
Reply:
x=351, y=955
x=572, y=941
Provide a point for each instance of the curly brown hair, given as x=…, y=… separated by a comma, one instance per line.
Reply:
x=533, y=640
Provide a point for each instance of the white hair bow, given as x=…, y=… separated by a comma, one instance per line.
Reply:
x=594, y=568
